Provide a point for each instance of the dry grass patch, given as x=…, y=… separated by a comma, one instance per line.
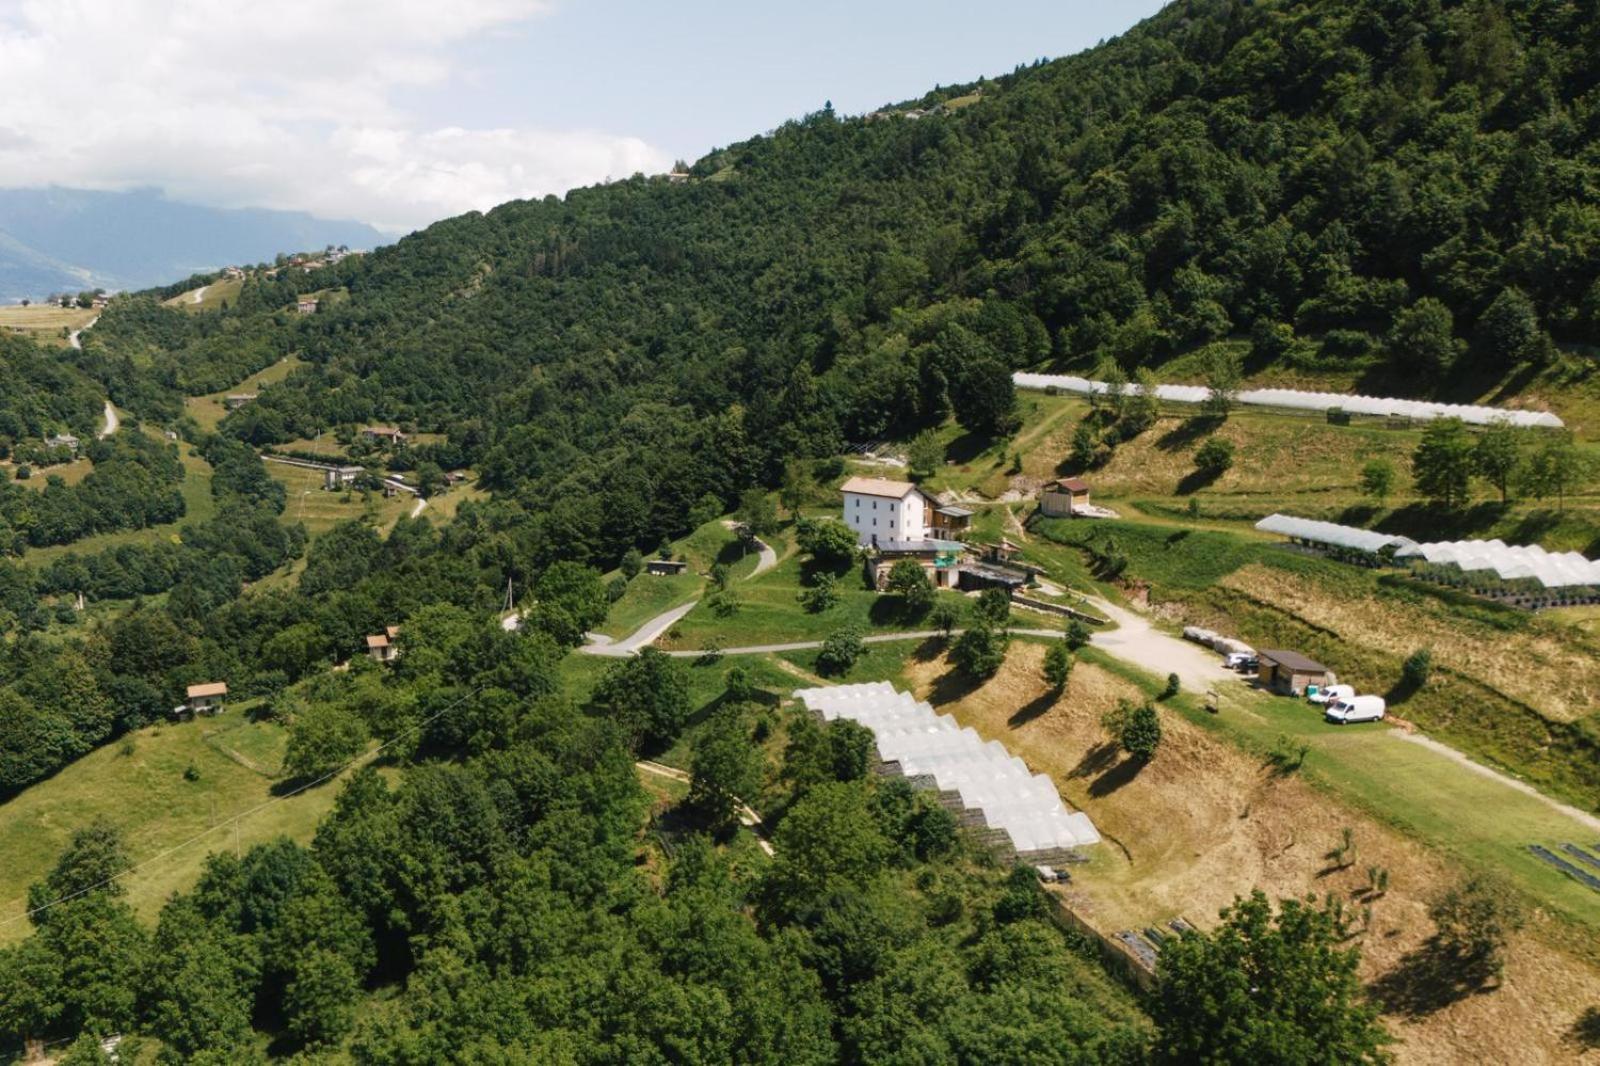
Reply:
x=1546, y=666
x=44, y=323
x=1204, y=822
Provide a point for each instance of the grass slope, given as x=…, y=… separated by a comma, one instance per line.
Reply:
x=139, y=786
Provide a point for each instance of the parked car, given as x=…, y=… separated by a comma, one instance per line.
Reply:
x=1331, y=693
x=1239, y=660
x=1355, y=709
x=1050, y=875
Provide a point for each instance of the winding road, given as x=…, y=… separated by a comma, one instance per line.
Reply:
x=113, y=423
x=73, y=338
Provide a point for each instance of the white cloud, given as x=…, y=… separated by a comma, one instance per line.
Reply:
x=288, y=104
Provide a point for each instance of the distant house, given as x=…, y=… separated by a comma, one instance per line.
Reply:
x=456, y=477
x=382, y=434
x=236, y=400
x=206, y=698
x=665, y=567
x=62, y=440
x=306, y=306
x=232, y=273
x=99, y=302
x=1060, y=498
x=678, y=176
x=384, y=647
x=1289, y=672
x=335, y=478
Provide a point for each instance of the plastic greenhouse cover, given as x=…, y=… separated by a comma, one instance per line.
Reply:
x=1296, y=399
x=1024, y=804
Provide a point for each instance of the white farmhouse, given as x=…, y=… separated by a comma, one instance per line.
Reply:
x=882, y=510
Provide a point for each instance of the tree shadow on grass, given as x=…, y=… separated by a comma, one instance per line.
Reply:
x=1585, y=1032
x=1195, y=480
x=1114, y=778
x=967, y=447
x=733, y=551
x=1032, y=709
x=952, y=685
x=1187, y=432
x=1096, y=760
x=1358, y=514
x=930, y=649
x=1428, y=980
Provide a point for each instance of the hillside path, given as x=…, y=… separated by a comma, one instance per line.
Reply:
x=747, y=815
x=113, y=422
x=74, y=338
x=199, y=294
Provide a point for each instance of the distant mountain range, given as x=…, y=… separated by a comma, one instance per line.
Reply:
x=57, y=239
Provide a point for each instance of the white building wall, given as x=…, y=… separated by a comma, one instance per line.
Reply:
x=886, y=519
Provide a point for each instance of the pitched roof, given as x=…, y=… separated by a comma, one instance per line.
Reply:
x=378, y=640
x=877, y=486
x=1073, y=484
x=1292, y=660
x=210, y=688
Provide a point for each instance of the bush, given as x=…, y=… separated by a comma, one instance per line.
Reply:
x=1173, y=687
x=632, y=563
x=24, y=472
x=1077, y=634
x=840, y=651
x=910, y=582
x=616, y=588
x=821, y=595
x=1136, y=728
x=1058, y=665
x=994, y=606
x=1215, y=456
x=1473, y=920
x=1416, y=670
x=980, y=651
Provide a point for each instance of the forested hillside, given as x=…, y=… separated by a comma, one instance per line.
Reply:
x=1403, y=189
x=1400, y=192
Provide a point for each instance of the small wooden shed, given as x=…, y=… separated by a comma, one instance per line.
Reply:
x=1288, y=672
x=665, y=567
x=1062, y=496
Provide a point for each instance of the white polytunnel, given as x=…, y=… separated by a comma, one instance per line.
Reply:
x=1295, y=399
x=988, y=777
x=1331, y=533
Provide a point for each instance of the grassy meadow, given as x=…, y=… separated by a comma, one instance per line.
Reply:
x=43, y=323
x=142, y=785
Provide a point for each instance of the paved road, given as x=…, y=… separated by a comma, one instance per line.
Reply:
x=639, y=638
x=768, y=560
x=417, y=510
x=113, y=423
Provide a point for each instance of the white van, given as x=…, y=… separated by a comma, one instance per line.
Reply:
x=1355, y=709
x=1332, y=693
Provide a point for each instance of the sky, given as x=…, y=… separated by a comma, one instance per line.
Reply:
x=402, y=112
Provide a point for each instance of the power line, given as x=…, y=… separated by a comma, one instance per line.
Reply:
x=235, y=819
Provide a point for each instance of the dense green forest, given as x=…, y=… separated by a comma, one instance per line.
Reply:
x=1402, y=188
x=134, y=484
x=41, y=395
